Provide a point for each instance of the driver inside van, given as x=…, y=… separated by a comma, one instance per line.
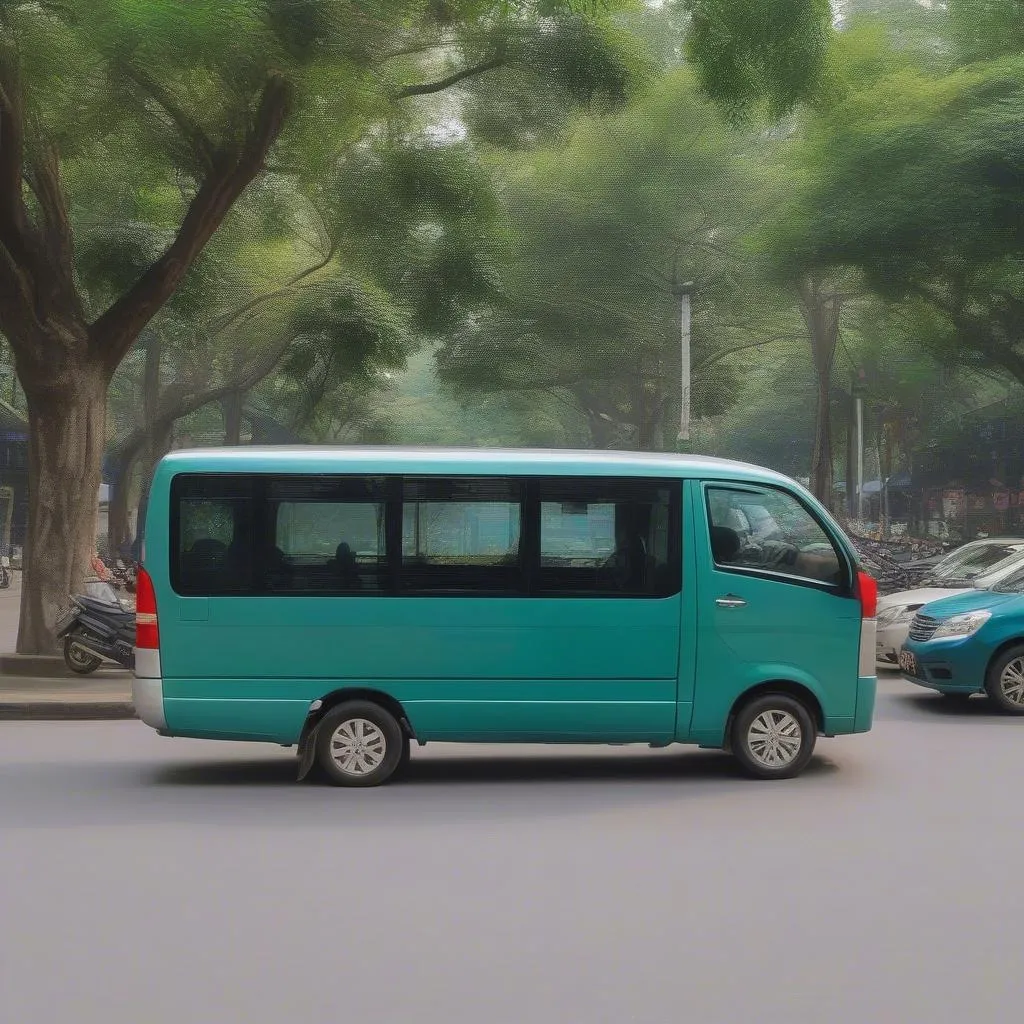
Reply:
x=773, y=556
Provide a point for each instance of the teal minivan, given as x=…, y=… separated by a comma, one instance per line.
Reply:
x=352, y=602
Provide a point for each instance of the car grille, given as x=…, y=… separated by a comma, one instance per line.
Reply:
x=923, y=627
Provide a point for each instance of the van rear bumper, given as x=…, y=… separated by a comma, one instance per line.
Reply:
x=867, y=688
x=148, y=689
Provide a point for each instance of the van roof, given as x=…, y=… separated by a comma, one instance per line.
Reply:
x=485, y=461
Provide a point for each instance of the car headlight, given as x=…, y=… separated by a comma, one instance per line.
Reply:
x=896, y=613
x=962, y=625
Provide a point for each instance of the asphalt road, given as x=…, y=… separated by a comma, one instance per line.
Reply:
x=152, y=880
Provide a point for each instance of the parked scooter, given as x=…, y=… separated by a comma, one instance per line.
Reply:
x=98, y=627
x=5, y=572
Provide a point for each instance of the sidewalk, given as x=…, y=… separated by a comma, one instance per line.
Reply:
x=105, y=695
x=41, y=688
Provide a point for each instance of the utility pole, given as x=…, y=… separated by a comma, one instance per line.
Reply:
x=683, y=292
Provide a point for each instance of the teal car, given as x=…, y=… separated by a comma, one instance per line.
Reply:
x=971, y=643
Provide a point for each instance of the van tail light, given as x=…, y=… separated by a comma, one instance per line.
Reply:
x=147, y=632
x=866, y=591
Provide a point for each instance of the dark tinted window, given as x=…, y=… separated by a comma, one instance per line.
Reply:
x=771, y=530
x=609, y=537
x=462, y=535
x=213, y=535
x=327, y=535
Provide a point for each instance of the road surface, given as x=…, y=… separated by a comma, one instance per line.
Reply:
x=155, y=880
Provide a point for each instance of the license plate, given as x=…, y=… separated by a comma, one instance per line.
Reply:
x=64, y=621
x=908, y=663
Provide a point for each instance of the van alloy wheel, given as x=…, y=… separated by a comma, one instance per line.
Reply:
x=359, y=743
x=358, y=746
x=773, y=735
x=774, y=738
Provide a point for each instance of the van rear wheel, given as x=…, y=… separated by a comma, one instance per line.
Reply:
x=359, y=744
x=773, y=736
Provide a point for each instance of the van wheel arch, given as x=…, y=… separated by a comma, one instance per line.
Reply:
x=795, y=690
x=336, y=697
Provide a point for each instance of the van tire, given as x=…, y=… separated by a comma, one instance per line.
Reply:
x=779, y=710
x=375, y=735
x=994, y=680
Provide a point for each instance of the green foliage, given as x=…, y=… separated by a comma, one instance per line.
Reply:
x=595, y=234
x=576, y=62
x=985, y=29
x=915, y=182
x=752, y=51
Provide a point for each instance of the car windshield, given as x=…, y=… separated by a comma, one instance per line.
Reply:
x=1012, y=584
x=975, y=560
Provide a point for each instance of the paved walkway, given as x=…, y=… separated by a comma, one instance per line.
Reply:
x=10, y=612
x=105, y=694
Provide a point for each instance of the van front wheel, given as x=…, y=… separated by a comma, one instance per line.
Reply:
x=773, y=736
x=359, y=744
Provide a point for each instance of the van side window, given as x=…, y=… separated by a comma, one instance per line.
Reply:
x=770, y=530
x=214, y=524
x=462, y=535
x=327, y=535
x=611, y=538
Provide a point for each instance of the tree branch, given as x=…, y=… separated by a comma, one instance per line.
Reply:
x=15, y=230
x=12, y=145
x=234, y=168
x=414, y=48
x=58, y=240
x=179, y=400
x=715, y=357
x=220, y=325
x=427, y=88
x=189, y=127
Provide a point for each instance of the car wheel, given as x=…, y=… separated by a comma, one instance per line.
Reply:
x=359, y=744
x=773, y=736
x=1004, y=681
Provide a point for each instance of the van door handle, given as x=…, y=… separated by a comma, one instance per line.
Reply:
x=730, y=601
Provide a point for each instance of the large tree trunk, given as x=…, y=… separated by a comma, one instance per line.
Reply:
x=117, y=509
x=602, y=431
x=65, y=362
x=820, y=307
x=233, y=406
x=66, y=435
x=821, y=454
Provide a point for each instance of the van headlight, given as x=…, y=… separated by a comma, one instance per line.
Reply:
x=962, y=625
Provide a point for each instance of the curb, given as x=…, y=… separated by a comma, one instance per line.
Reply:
x=34, y=666
x=65, y=710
